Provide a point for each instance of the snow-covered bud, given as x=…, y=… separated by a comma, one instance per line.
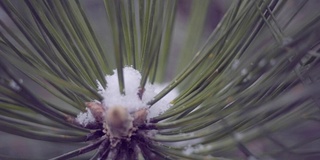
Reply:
x=97, y=110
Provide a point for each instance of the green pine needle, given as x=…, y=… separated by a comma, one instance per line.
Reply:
x=243, y=88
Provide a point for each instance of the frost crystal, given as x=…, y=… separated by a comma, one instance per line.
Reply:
x=130, y=100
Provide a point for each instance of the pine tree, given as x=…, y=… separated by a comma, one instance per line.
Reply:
x=247, y=90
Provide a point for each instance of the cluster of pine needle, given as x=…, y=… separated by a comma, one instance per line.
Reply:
x=249, y=89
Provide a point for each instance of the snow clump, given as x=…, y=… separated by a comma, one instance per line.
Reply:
x=130, y=100
x=85, y=118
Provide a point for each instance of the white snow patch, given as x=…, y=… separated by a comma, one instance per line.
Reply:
x=201, y=147
x=235, y=64
x=130, y=100
x=112, y=97
x=262, y=63
x=85, y=118
x=238, y=136
x=196, y=149
x=188, y=150
x=244, y=71
x=163, y=104
x=14, y=85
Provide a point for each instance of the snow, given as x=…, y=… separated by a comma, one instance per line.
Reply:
x=163, y=104
x=14, y=85
x=85, y=118
x=130, y=100
x=188, y=150
x=235, y=64
x=244, y=71
x=262, y=63
x=112, y=96
x=238, y=136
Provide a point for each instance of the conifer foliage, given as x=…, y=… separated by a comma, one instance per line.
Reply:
x=249, y=89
